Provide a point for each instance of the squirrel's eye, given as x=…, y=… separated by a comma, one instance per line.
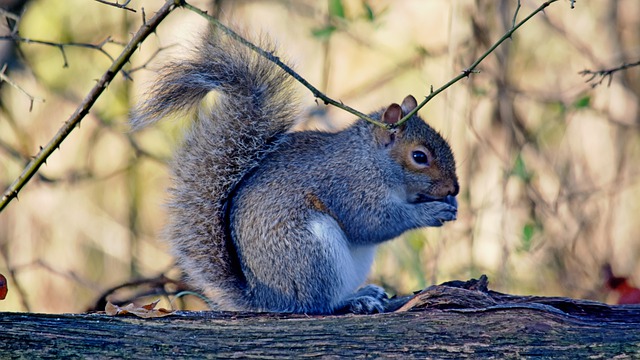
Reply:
x=420, y=157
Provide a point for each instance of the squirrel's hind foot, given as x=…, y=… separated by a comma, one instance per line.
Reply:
x=369, y=299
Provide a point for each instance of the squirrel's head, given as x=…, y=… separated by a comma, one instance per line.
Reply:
x=424, y=155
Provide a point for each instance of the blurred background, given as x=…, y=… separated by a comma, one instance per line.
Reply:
x=547, y=157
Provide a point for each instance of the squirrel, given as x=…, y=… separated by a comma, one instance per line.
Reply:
x=266, y=219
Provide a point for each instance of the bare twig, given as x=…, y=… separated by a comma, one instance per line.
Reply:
x=5, y=78
x=61, y=46
x=142, y=288
x=149, y=60
x=472, y=69
x=137, y=148
x=69, y=275
x=116, y=4
x=83, y=109
x=515, y=14
x=605, y=73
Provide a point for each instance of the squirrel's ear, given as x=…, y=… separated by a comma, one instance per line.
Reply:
x=408, y=104
x=392, y=115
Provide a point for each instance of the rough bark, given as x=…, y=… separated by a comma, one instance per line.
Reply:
x=454, y=320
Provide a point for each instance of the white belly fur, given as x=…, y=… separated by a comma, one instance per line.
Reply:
x=352, y=263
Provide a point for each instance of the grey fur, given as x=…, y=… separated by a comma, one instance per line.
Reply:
x=263, y=219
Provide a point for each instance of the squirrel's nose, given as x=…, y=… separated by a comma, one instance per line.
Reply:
x=453, y=188
x=446, y=188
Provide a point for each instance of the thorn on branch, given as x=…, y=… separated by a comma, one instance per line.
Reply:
x=468, y=72
x=64, y=56
x=118, y=5
x=126, y=75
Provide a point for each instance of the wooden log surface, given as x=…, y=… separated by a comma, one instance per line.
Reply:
x=450, y=321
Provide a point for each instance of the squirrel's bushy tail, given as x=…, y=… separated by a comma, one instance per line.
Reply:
x=253, y=107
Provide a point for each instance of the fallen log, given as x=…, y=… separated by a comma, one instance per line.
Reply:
x=450, y=321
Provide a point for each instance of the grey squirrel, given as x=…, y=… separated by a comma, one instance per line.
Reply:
x=262, y=218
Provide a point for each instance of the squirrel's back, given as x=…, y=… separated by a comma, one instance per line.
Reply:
x=252, y=110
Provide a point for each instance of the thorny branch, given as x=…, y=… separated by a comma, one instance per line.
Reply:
x=149, y=27
x=83, y=109
x=605, y=73
x=327, y=100
x=15, y=36
x=472, y=69
x=61, y=46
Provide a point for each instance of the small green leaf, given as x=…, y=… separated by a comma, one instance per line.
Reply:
x=336, y=9
x=416, y=241
x=479, y=91
x=520, y=170
x=369, y=15
x=558, y=106
x=527, y=235
x=583, y=102
x=323, y=33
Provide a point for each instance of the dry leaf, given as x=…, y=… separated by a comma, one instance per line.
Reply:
x=145, y=311
x=151, y=306
x=3, y=287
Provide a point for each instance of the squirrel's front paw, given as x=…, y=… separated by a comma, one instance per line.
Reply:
x=449, y=213
x=369, y=299
x=438, y=212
